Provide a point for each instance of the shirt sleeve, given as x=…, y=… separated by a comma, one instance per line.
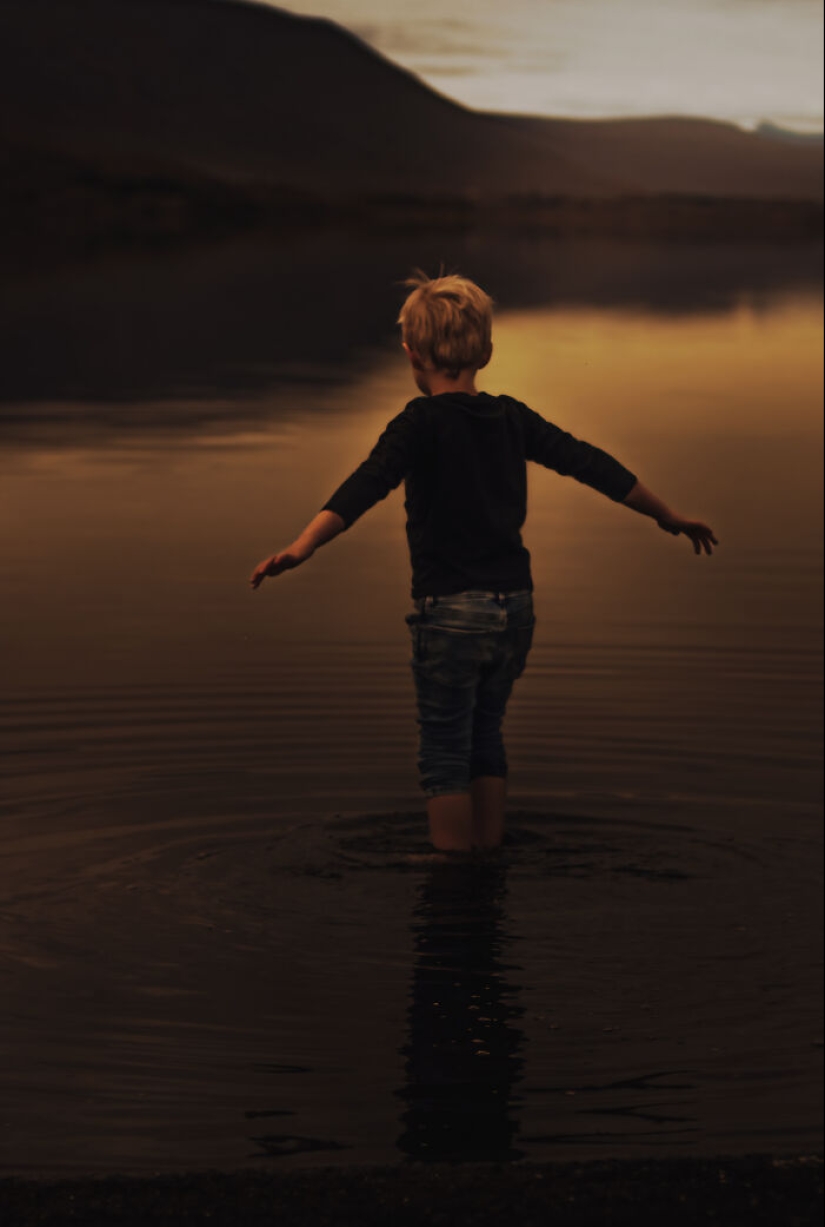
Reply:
x=396, y=451
x=556, y=449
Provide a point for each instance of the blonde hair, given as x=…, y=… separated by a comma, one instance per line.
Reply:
x=448, y=321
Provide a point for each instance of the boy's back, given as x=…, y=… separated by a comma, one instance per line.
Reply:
x=463, y=459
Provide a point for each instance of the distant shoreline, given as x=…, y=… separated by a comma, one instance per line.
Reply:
x=60, y=202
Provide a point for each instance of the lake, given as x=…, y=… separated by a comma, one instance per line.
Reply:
x=218, y=947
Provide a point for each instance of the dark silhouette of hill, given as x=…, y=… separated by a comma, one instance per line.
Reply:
x=232, y=103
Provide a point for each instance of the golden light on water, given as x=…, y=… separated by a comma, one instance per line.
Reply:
x=745, y=372
x=720, y=415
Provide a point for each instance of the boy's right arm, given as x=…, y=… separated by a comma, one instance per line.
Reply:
x=323, y=527
x=382, y=471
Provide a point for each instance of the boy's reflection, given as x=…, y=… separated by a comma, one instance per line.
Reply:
x=463, y=1053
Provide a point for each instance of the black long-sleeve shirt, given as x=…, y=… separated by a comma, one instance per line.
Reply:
x=463, y=462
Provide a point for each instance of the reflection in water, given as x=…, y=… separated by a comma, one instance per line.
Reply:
x=215, y=988
x=157, y=541
x=463, y=1055
x=110, y=340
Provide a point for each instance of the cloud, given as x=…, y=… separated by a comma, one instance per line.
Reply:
x=425, y=38
x=731, y=59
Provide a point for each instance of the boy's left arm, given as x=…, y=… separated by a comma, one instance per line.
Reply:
x=649, y=504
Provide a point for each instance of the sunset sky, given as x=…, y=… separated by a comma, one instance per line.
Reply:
x=745, y=61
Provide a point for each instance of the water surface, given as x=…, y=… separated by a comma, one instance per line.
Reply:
x=218, y=946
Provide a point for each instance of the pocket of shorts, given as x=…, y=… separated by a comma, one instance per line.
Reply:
x=523, y=615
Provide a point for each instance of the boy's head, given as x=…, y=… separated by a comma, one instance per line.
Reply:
x=446, y=326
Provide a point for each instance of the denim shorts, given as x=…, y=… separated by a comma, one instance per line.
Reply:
x=467, y=651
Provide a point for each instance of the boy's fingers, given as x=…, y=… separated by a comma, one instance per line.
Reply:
x=261, y=571
x=273, y=566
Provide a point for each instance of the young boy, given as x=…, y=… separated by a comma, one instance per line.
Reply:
x=462, y=455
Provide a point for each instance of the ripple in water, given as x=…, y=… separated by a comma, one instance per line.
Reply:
x=595, y=983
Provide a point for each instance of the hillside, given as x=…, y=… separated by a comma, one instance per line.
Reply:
x=106, y=95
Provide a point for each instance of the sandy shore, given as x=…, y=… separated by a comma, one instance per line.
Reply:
x=736, y=1192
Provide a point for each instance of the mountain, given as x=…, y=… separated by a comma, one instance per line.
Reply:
x=773, y=132
x=268, y=104
x=248, y=93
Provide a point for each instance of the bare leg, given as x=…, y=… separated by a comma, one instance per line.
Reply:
x=451, y=821
x=489, y=793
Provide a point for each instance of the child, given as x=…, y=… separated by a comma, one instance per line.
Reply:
x=462, y=455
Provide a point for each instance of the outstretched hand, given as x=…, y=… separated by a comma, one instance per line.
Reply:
x=700, y=534
x=286, y=560
x=326, y=525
